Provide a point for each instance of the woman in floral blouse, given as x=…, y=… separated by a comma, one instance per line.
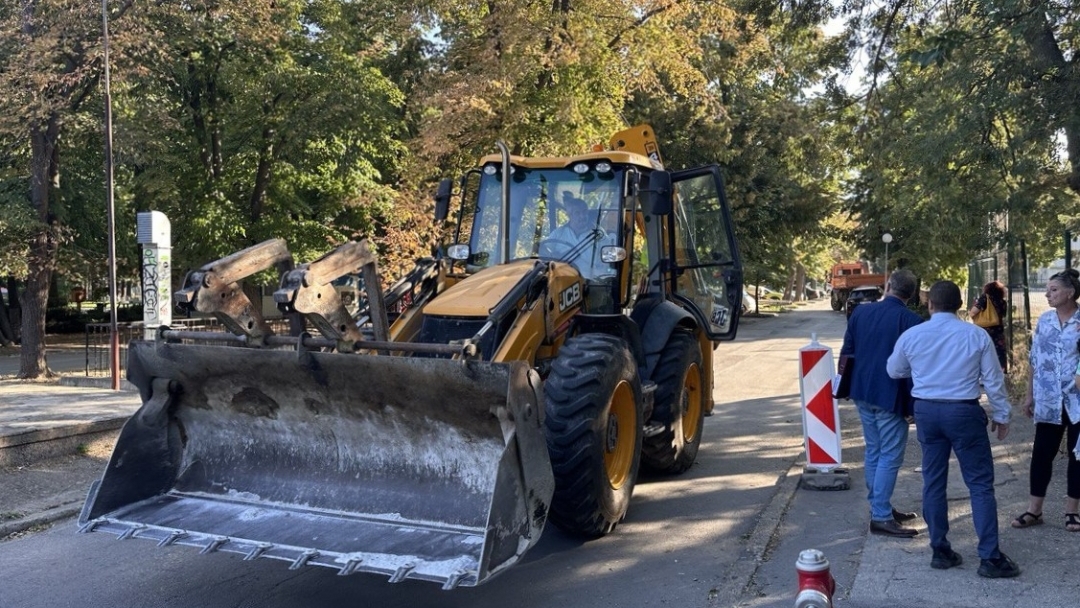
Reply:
x=1053, y=399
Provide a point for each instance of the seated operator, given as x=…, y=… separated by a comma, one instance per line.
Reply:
x=581, y=239
x=578, y=226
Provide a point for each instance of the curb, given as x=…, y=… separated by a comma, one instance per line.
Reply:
x=26, y=448
x=764, y=536
x=35, y=520
x=95, y=382
x=22, y=449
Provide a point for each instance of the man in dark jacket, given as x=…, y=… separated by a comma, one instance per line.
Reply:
x=883, y=402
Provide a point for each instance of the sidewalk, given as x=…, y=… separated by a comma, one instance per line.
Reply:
x=897, y=572
x=876, y=571
x=54, y=439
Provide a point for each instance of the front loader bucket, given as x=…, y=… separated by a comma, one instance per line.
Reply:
x=410, y=467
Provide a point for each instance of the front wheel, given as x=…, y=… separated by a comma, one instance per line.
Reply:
x=593, y=423
x=680, y=407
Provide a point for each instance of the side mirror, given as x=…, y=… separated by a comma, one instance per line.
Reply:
x=659, y=189
x=458, y=252
x=442, y=200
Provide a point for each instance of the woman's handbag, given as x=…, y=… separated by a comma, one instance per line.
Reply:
x=987, y=317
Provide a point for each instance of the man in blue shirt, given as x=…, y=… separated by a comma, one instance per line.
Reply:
x=871, y=333
x=947, y=359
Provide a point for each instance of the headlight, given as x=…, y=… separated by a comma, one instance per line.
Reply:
x=581, y=168
x=610, y=255
x=494, y=169
x=603, y=167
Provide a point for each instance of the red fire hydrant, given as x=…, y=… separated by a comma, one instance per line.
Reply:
x=816, y=584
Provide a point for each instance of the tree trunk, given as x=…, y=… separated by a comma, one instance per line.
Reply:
x=262, y=172
x=32, y=362
x=799, y=285
x=7, y=337
x=44, y=175
x=1059, y=92
x=14, y=309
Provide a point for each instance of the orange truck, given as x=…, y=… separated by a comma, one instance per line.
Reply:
x=846, y=276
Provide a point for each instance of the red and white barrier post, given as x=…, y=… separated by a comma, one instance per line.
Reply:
x=821, y=419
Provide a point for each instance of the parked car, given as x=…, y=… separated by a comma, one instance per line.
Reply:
x=862, y=295
x=762, y=292
x=749, y=304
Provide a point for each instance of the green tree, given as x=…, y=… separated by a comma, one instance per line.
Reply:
x=959, y=137
x=49, y=66
x=773, y=140
x=719, y=83
x=259, y=121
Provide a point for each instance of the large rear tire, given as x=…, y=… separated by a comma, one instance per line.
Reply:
x=680, y=405
x=837, y=301
x=593, y=423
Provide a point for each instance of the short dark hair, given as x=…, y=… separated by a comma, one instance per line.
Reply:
x=945, y=296
x=902, y=284
x=1069, y=278
x=995, y=289
x=572, y=204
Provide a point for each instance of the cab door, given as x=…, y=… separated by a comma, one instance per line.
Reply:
x=707, y=273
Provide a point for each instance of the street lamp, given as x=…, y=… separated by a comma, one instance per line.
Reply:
x=114, y=334
x=886, y=238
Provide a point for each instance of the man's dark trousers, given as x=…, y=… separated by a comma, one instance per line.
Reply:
x=957, y=426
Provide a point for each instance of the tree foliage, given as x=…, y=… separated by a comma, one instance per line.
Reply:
x=719, y=83
x=960, y=137
x=260, y=120
x=324, y=120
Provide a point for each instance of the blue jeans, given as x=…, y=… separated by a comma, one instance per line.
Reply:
x=960, y=427
x=886, y=436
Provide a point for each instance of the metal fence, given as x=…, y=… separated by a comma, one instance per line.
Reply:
x=1009, y=266
x=99, y=345
x=1024, y=286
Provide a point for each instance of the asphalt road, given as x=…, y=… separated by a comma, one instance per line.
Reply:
x=705, y=538
x=63, y=357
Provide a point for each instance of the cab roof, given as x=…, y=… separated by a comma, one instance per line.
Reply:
x=558, y=162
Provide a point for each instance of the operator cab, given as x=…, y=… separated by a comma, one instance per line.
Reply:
x=570, y=214
x=594, y=212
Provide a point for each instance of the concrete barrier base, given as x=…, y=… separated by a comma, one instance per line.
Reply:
x=836, y=479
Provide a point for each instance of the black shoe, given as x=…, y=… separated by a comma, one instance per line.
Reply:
x=999, y=567
x=902, y=516
x=945, y=558
x=891, y=528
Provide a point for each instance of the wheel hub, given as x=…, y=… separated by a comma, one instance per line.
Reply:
x=612, y=433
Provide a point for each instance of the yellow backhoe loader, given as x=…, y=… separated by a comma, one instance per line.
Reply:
x=561, y=339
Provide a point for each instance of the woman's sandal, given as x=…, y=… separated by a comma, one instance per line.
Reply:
x=1028, y=519
x=1072, y=522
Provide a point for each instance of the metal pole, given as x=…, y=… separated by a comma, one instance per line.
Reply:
x=114, y=335
x=886, y=238
x=1068, y=249
x=504, y=221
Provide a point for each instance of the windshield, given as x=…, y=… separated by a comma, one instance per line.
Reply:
x=554, y=214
